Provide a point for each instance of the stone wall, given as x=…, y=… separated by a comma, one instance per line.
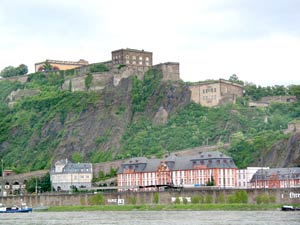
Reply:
x=293, y=127
x=170, y=70
x=281, y=196
x=22, y=79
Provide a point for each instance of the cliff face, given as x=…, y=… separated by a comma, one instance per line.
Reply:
x=285, y=153
x=100, y=128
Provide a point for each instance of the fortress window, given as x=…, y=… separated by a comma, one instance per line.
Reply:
x=147, y=58
x=140, y=58
x=141, y=63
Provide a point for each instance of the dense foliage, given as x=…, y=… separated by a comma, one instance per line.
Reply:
x=23, y=125
x=11, y=71
x=143, y=89
x=246, y=128
x=99, y=67
x=29, y=142
x=39, y=185
x=255, y=92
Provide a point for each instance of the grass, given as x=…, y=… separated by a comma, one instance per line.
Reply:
x=195, y=207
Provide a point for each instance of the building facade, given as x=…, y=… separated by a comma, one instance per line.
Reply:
x=276, y=178
x=175, y=171
x=65, y=175
x=244, y=176
x=61, y=65
x=131, y=57
x=215, y=93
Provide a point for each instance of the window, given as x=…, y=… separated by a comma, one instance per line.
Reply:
x=140, y=62
x=140, y=58
x=147, y=58
x=127, y=61
x=147, y=63
x=127, y=56
x=134, y=57
x=133, y=62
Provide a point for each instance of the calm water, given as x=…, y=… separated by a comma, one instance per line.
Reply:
x=153, y=217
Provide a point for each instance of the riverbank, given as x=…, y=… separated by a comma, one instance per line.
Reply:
x=179, y=207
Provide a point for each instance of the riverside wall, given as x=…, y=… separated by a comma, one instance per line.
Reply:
x=281, y=196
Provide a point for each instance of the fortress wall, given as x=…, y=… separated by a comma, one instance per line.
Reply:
x=282, y=196
x=170, y=70
x=22, y=79
x=231, y=88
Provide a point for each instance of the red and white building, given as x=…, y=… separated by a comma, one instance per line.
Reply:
x=175, y=171
x=276, y=178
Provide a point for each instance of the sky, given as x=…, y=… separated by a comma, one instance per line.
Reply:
x=258, y=40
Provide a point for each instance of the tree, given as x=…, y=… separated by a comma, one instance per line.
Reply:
x=11, y=71
x=234, y=78
x=8, y=71
x=42, y=184
x=46, y=67
x=22, y=69
x=295, y=90
x=211, y=182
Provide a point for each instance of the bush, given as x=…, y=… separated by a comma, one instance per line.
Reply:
x=220, y=198
x=185, y=201
x=209, y=199
x=262, y=199
x=132, y=200
x=177, y=201
x=88, y=81
x=100, y=67
x=156, y=198
x=196, y=199
x=238, y=197
x=98, y=199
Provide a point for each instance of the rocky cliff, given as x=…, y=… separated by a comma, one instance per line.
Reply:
x=285, y=153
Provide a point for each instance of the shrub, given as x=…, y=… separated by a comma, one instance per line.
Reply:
x=185, y=201
x=220, y=198
x=238, y=197
x=208, y=199
x=262, y=199
x=88, y=81
x=97, y=199
x=156, y=198
x=132, y=200
x=177, y=201
x=100, y=67
x=196, y=199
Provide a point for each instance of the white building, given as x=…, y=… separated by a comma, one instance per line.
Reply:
x=65, y=175
x=244, y=176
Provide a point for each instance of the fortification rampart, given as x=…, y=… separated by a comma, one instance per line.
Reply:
x=279, y=196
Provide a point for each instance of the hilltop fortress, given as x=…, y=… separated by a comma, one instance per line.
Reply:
x=128, y=62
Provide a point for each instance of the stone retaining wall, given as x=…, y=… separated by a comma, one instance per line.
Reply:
x=281, y=196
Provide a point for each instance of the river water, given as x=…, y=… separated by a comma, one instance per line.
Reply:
x=153, y=217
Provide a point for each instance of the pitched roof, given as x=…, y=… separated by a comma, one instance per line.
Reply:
x=281, y=173
x=207, y=160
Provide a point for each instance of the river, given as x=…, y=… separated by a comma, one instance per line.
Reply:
x=153, y=218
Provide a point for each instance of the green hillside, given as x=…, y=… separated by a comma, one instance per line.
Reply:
x=118, y=123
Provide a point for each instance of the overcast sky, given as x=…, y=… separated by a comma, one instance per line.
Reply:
x=258, y=40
